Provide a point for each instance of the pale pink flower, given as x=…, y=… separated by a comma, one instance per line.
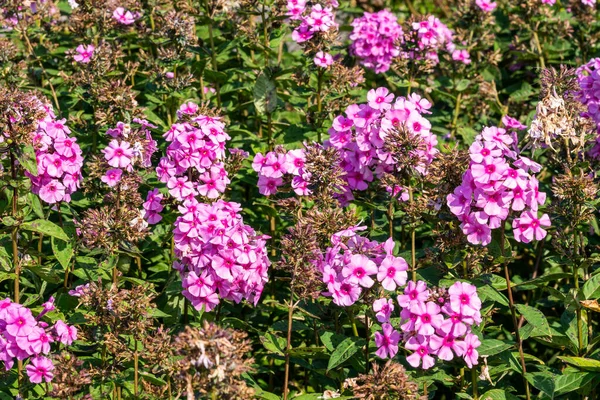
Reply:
x=84, y=53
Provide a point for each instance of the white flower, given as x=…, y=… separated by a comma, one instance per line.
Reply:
x=73, y=4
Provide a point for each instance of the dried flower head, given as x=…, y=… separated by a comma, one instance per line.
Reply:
x=388, y=383
x=213, y=360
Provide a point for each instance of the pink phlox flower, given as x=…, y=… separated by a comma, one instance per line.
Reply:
x=414, y=293
x=40, y=368
x=392, y=272
x=387, y=341
x=421, y=352
x=112, y=177
x=383, y=309
x=84, y=53
x=428, y=317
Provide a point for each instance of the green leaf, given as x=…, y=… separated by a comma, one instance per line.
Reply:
x=274, y=343
x=152, y=379
x=555, y=385
x=541, y=281
x=493, y=294
x=215, y=76
x=585, y=364
x=535, y=317
x=63, y=251
x=265, y=94
x=344, y=351
x=497, y=394
x=491, y=347
x=35, y=204
x=26, y=157
x=462, y=85
x=591, y=289
x=331, y=340
x=46, y=227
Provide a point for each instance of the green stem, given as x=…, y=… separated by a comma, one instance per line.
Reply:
x=288, y=345
x=319, y=105
x=213, y=55
x=514, y=313
x=135, y=369
x=538, y=46
x=576, y=281
x=474, y=378
x=353, y=322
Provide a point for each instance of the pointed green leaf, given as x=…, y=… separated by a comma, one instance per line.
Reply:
x=46, y=227
x=535, y=317
x=591, y=288
x=344, y=351
x=26, y=157
x=586, y=364
x=63, y=251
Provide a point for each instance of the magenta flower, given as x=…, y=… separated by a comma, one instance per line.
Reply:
x=66, y=147
x=112, y=177
x=39, y=341
x=359, y=269
x=428, y=317
x=84, y=53
x=491, y=170
x=323, y=59
x=464, y=299
x=387, y=342
x=19, y=321
x=268, y=186
x=471, y=355
x=79, y=290
x=117, y=154
x=380, y=98
x=445, y=345
x=123, y=16
x=52, y=192
x=40, y=369
x=486, y=5
x=67, y=334
x=199, y=286
x=392, y=272
x=421, y=354
x=383, y=309
x=180, y=188
x=462, y=56
x=345, y=294
x=413, y=293
x=528, y=226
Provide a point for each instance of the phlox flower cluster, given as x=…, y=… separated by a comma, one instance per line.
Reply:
x=277, y=168
x=588, y=76
x=354, y=263
x=311, y=19
x=365, y=138
x=23, y=336
x=374, y=40
x=59, y=160
x=433, y=324
x=431, y=37
x=219, y=256
x=499, y=180
x=194, y=159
